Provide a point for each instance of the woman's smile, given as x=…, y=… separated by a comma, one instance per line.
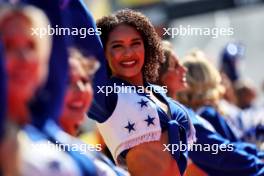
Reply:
x=125, y=52
x=129, y=63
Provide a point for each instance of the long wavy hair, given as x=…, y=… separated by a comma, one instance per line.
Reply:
x=152, y=43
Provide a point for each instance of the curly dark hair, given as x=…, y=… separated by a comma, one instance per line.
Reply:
x=152, y=43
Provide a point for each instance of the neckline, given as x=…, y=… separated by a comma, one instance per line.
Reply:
x=122, y=82
x=157, y=95
x=166, y=102
x=162, y=99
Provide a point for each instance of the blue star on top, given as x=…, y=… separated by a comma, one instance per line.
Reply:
x=130, y=127
x=54, y=165
x=150, y=120
x=143, y=103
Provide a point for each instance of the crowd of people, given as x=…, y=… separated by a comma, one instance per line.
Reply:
x=160, y=116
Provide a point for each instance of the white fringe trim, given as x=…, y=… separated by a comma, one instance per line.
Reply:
x=149, y=137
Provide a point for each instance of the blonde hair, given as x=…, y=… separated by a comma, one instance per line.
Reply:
x=36, y=19
x=168, y=52
x=203, y=79
x=88, y=65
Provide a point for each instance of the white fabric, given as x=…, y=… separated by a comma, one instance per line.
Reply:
x=250, y=118
x=42, y=158
x=128, y=110
x=231, y=115
x=102, y=169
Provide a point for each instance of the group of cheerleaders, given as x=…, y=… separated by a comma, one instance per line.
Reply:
x=50, y=84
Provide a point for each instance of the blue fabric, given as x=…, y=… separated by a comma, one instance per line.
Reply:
x=218, y=122
x=76, y=15
x=230, y=56
x=46, y=108
x=80, y=17
x=53, y=133
x=47, y=105
x=249, y=148
x=229, y=67
x=70, y=14
x=49, y=100
x=177, y=126
x=2, y=92
x=254, y=134
x=236, y=162
x=85, y=163
x=210, y=114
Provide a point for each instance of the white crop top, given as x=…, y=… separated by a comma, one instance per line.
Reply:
x=134, y=121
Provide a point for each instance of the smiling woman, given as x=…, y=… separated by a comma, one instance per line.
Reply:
x=136, y=125
x=140, y=34
x=172, y=72
x=125, y=52
x=79, y=92
x=26, y=58
x=26, y=65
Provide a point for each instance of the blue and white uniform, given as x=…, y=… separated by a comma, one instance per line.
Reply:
x=235, y=159
x=130, y=117
x=247, y=124
x=210, y=114
x=46, y=106
x=51, y=151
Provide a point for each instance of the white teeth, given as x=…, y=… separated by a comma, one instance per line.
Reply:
x=128, y=62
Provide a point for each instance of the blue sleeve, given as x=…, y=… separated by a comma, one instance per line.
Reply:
x=250, y=148
x=233, y=161
x=101, y=111
x=218, y=122
x=180, y=114
x=48, y=101
x=178, y=129
x=71, y=14
x=80, y=17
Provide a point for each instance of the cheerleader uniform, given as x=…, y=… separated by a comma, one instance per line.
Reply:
x=130, y=117
x=236, y=159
